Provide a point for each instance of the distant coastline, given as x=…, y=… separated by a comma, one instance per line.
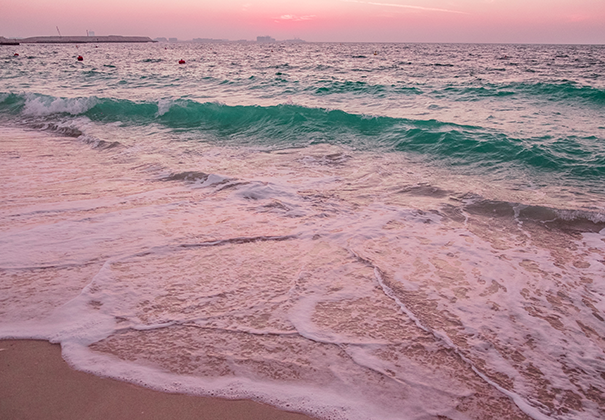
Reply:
x=139, y=39
x=259, y=40
x=5, y=41
x=75, y=39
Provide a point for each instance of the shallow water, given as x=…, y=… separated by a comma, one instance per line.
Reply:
x=409, y=234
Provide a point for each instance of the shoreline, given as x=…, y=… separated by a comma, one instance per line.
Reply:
x=35, y=382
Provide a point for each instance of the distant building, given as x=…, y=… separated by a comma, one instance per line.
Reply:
x=265, y=39
x=173, y=40
x=90, y=33
x=208, y=40
x=161, y=39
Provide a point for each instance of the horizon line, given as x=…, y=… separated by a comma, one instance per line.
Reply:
x=219, y=40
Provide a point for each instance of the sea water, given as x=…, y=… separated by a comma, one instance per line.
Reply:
x=353, y=231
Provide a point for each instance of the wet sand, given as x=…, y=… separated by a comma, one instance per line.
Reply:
x=36, y=383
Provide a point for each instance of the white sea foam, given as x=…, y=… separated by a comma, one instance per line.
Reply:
x=36, y=105
x=282, y=277
x=164, y=106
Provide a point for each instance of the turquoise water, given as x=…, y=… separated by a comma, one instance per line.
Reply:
x=356, y=231
x=532, y=111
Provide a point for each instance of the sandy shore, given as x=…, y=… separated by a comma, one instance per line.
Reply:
x=36, y=383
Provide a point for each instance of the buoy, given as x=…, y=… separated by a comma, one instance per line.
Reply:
x=80, y=58
x=181, y=61
x=16, y=55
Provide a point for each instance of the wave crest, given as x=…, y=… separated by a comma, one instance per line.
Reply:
x=291, y=125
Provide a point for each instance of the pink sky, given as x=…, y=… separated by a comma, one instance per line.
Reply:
x=508, y=21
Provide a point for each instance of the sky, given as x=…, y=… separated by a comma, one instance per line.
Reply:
x=476, y=21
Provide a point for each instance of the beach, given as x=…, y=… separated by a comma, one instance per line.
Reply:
x=315, y=228
x=36, y=383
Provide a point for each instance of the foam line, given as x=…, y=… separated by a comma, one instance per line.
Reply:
x=517, y=399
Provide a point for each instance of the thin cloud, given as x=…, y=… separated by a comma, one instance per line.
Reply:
x=296, y=18
x=405, y=6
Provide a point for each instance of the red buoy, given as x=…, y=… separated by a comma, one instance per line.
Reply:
x=80, y=58
x=181, y=61
x=16, y=55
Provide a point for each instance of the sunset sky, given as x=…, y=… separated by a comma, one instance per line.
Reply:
x=508, y=21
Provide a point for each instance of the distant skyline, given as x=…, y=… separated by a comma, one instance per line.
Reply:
x=483, y=21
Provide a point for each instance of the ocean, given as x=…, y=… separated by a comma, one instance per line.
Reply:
x=352, y=231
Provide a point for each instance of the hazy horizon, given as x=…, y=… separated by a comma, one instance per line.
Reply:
x=226, y=40
x=456, y=21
